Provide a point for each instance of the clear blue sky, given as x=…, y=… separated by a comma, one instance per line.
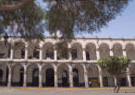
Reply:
x=122, y=26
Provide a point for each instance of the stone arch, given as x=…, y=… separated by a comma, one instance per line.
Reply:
x=117, y=49
x=104, y=50
x=92, y=43
x=32, y=75
x=33, y=50
x=5, y=70
x=121, y=43
x=44, y=74
x=62, y=50
x=130, y=50
x=93, y=75
x=19, y=50
x=91, y=51
x=79, y=80
x=48, y=50
x=5, y=49
x=17, y=75
x=63, y=75
x=78, y=48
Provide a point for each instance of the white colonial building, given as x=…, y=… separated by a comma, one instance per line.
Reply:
x=38, y=64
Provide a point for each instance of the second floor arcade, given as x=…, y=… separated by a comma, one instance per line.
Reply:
x=79, y=50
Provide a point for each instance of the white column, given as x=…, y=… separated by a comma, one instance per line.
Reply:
x=115, y=80
x=85, y=76
x=40, y=76
x=25, y=76
x=97, y=53
x=55, y=77
x=70, y=77
x=70, y=55
x=111, y=52
x=26, y=52
x=128, y=77
x=84, y=55
x=127, y=70
x=124, y=52
x=55, y=54
x=100, y=76
x=40, y=54
x=9, y=76
x=11, y=53
x=99, y=68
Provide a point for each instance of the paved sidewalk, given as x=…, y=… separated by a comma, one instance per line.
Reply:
x=65, y=91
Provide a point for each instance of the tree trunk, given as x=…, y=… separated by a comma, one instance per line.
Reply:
x=117, y=86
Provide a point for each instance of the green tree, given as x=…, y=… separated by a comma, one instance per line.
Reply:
x=63, y=50
x=115, y=66
x=67, y=16
x=27, y=18
x=23, y=21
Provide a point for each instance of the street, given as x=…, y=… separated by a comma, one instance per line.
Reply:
x=65, y=91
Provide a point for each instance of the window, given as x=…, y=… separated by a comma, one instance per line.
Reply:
x=35, y=73
x=8, y=53
x=75, y=73
x=50, y=54
x=2, y=55
x=23, y=53
x=64, y=74
x=74, y=54
x=87, y=55
x=36, y=53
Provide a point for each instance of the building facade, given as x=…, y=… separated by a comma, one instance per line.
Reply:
x=38, y=64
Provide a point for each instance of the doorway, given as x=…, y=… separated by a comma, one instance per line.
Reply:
x=75, y=78
x=50, y=77
x=65, y=79
x=35, y=77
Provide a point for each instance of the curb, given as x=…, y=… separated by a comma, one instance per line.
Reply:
x=36, y=88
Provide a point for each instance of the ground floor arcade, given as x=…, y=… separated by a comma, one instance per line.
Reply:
x=60, y=75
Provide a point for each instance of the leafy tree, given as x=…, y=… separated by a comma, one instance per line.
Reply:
x=115, y=66
x=23, y=21
x=76, y=16
x=62, y=49
x=25, y=17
